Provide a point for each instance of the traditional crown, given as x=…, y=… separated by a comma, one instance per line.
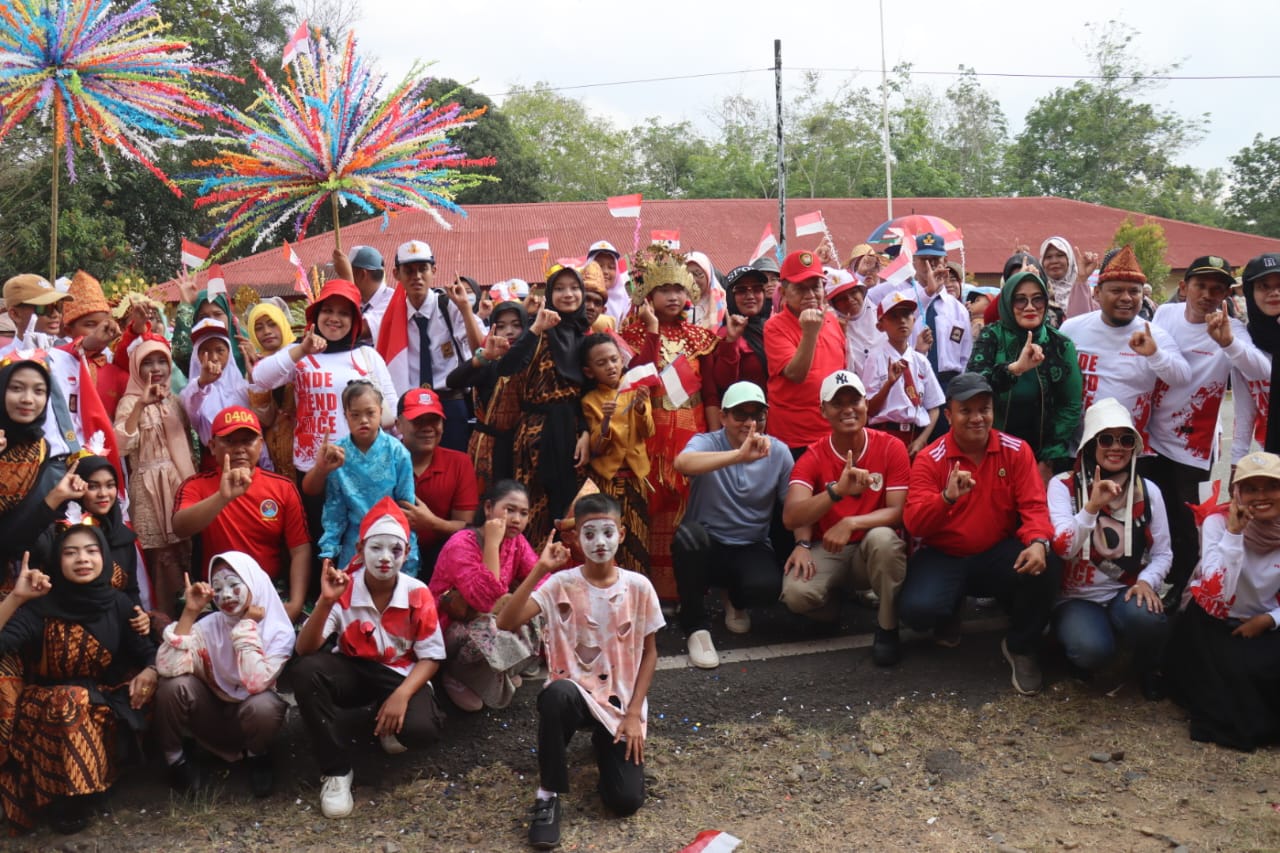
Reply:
x=657, y=266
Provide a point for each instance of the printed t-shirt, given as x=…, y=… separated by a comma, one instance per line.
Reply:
x=883, y=455
x=265, y=522
x=406, y=632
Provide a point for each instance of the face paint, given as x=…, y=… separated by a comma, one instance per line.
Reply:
x=230, y=593
x=599, y=540
x=384, y=554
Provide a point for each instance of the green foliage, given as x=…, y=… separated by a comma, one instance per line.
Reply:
x=1254, y=201
x=1149, y=246
x=492, y=136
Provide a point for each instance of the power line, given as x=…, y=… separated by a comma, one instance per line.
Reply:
x=645, y=80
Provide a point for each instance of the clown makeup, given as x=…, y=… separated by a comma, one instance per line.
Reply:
x=384, y=554
x=599, y=539
x=231, y=594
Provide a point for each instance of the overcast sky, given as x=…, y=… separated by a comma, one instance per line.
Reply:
x=499, y=43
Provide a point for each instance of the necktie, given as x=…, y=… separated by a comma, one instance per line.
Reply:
x=426, y=377
x=931, y=320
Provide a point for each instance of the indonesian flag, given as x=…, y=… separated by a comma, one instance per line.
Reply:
x=217, y=282
x=953, y=240
x=712, y=841
x=810, y=223
x=540, y=244
x=297, y=44
x=93, y=428
x=767, y=243
x=623, y=347
x=393, y=339
x=193, y=254
x=679, y=381
x=299, y=272
x=900, y=268
x=624, y=206
x=636, y=377
x=671, y=238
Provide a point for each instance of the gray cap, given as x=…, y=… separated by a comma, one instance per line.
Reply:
x=366, y=258
x=766, y=263
x=968, y=385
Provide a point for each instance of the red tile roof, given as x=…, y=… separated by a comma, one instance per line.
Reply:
x=490, y=243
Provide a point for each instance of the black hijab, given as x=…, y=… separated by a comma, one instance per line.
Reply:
x=16, y=434
x=117, y=533
x=1265, y=332
x=92, y=605
x=504, y=307
x=754, y=333
x=565, y=340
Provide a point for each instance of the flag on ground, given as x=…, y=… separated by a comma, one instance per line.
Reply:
x=670, y=237
x=193, y=254
x=712, y=841
x=297, y=44
x=624, y=206
x=679, y=381
x=540, y=244
x=767, y=243
x=810, y=223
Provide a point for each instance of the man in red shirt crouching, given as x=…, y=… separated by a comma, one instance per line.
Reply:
x=976, y=504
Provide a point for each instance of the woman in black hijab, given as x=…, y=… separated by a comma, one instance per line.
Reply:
x=740, y=355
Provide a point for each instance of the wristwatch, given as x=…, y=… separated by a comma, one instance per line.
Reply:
x=1044, y=542
x=805, y=543
x=831, y=492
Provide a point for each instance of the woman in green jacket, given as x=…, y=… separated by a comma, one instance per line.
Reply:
x=1033, y=370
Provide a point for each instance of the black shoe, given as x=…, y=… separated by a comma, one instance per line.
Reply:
x=262, y=776
x=69, y=815
x=886, y=648
x=1152, y=683
x=186, y=777
x=544, y=828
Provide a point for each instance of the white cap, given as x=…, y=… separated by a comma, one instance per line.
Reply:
x=602, y=246
x=414, y=252
x=893, y=300
x=840, y=379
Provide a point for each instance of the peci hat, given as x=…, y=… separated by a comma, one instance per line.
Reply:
x=1255, y=269
x=417, y=402
x=234, y=418
x=800, y=266
x=1258, y=465
x=930, y=245
x=740, y=393
x=1122, y=266
x=415, y=251
x=368, y=258
x=209, y=327
x=1212, y=265
x=893, y=300
x=28, y=289
x=840, y=379
x=968, y=385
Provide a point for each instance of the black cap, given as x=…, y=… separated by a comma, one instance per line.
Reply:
x=968, y=385
x=1261, y=265
x=737, y=274
x=766, y=264
x=1211, y=265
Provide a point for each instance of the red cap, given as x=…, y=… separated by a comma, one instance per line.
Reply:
x=233, y=418
x=800, y=266
x=420, y=401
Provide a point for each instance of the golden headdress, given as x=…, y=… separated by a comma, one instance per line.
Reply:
x=658, y=266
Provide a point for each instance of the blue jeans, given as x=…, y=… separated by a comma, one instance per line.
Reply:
x=1092, y=633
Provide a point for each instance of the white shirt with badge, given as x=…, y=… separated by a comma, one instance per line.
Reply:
x=954, y=332
x=447, y=351
x=898, y=407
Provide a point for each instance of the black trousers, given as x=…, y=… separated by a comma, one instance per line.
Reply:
x=562, y=711
x=750, y=573
x=325, y=682
x=1179, y=485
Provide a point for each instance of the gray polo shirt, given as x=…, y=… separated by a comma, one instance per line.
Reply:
x=735, y=503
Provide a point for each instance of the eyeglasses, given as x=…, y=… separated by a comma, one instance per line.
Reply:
x=743, y=417
x=1128, y=441
x=1037, y=301
x=51, y=310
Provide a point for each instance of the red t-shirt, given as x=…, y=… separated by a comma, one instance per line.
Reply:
x=448, y=484
x=795, y=418
x=265, y=522
x=882, y=455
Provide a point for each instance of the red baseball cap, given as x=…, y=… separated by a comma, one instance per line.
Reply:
x=418, y=402
x=233, y=418
x=800, y=266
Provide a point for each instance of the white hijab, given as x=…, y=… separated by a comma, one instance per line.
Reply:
x=275, y=630
x=1068, y=293
x=203, y=404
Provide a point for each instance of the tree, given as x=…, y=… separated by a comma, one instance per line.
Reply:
x=1149, y=246
x=1254, y=200
x=669, y=157
x=492, y=136
x=976, y=137
x=742, y=162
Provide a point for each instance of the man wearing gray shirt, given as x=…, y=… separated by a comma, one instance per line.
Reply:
x=738, y=477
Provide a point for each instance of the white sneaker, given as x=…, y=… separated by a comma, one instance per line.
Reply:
x=391, y=745
x=702, y=653
x=335, y=795
x=737, y=621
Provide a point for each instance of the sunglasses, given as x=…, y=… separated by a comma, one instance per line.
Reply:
x=1128, y=441
x=51, y=310
x=1023, y=301
x=743, y=417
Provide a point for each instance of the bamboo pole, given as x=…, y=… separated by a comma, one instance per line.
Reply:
x=337, y=229
x=53, y=217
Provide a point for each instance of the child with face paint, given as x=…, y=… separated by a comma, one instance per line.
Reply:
x=218, y=674
x=620, y=424
x=614, y=614
x=389, y=646
x=477, y=568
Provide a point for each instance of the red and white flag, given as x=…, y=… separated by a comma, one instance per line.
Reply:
x=623, y=347
x=217, y=282
x=767, y=243
x=624, y=206
x=900, y=269
x=712, y=841
x=193, y=254
x=810, y=223
x=679, y=381
x=299, y=271
x=670, y=237
x=297, y=44
x=636, y=377
x=540, y=244
x=953, y=240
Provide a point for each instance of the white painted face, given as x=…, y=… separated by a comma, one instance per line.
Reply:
x=231, y=594
x=384, y=554
x=599, y=539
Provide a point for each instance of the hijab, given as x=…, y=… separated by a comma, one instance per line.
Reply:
x=22, y=435
x=175, y=434
x=1060, y=288
x=503, y=307
x=275, y=630
x=753, y=334
x=233, y=327
x=117, y=533
x=273, y=313
x=710, y=310
x=91, y=604
x=1008, y=319
x=1265, y=332
x=565, y=339
x=229, y=389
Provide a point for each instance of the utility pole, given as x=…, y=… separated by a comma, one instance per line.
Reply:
x=884, y=117
x=782, y=160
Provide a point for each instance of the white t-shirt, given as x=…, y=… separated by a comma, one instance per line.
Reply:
x=898, y=408
x=1232, y=581
x=1184, y=422
x=1252, y=397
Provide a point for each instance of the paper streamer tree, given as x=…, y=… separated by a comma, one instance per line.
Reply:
x=102, y=79
x=326, y=133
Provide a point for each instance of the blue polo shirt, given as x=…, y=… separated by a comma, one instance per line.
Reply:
x=736, y=503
